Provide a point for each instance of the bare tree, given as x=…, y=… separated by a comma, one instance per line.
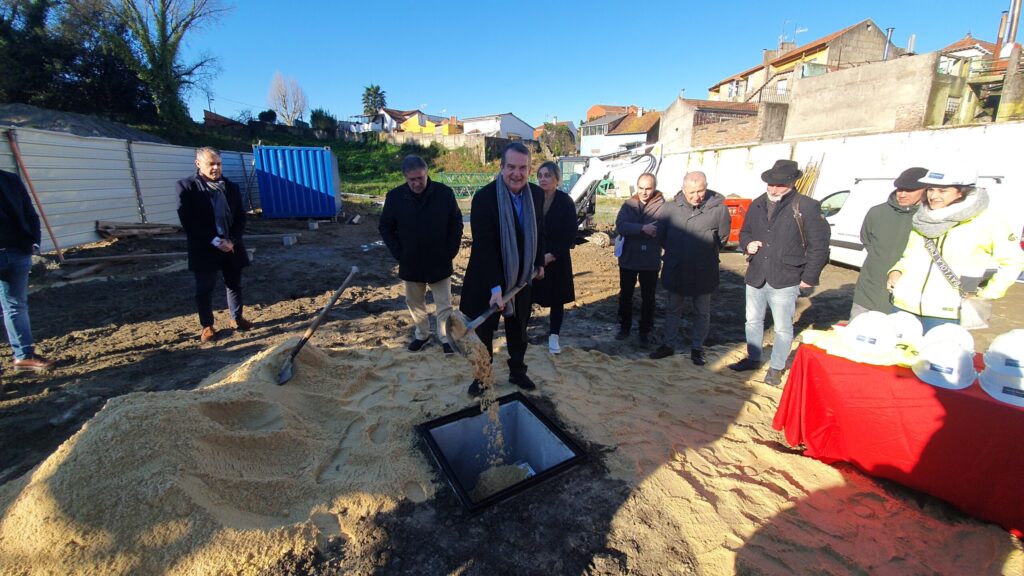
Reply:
x=286, y=98
x=157, y=28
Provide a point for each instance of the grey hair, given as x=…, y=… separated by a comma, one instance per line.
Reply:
x=514, y=147
x=413, y=162
x=200, y=152
x=553, y=168
x=695, y=176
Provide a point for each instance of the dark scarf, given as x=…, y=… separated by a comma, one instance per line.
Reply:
x=221, y=211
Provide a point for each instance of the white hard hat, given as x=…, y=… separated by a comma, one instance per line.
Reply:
x=945, y=364
x=869, y=337
x=951, y=175
x=1003, y=387
x=1006, y=354
x=949, y=333
x=908, y=328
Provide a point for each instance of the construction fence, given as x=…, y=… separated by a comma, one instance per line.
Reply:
x=81, y=180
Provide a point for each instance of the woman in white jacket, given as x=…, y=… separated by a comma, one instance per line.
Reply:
x=979, y=249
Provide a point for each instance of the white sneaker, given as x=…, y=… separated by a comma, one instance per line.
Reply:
x=553, y=346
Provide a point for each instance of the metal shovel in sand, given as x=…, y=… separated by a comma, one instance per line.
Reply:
x=287, y=369
x=459, y=325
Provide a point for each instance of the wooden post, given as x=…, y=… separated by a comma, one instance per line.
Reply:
x=135, y=180
x=24, y=174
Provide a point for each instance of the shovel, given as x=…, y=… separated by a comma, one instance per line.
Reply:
x=459, y=325
x=286, y=370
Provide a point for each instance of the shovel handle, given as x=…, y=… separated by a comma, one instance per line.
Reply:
x=323, y=313
x=494, y=307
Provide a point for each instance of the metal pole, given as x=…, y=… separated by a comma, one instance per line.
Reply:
x=135, y=180
x=24, y=174
x=888, y=42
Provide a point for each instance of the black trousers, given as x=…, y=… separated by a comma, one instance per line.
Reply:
x=515, y=333
x=205, y=282
x=648, y=287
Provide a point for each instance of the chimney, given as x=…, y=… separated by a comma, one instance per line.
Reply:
x=888, y=42
x=910, y=43
x=1014, y=21
x=451, y=119
x=640, y=112
x=1002, y=33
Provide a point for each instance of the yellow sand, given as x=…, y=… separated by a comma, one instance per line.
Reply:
x=229, y=477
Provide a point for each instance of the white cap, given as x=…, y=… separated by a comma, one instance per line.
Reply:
x=949, y=333
x=1006, y=354
x=946, y=365
x=869, y=337
x=908, y=328
x=1009, y=389
x=951, y=176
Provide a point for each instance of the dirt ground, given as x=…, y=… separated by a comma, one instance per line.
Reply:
x=132, y=328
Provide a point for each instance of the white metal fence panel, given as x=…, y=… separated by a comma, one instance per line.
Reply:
x=80, y=180
x=159, y=167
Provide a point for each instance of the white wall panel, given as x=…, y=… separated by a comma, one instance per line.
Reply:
x=80, y=180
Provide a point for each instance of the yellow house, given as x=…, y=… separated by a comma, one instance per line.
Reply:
x=449, y=126
x=419, y=123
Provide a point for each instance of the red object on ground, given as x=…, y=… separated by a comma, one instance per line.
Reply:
x=962, y=446
x=738, y=211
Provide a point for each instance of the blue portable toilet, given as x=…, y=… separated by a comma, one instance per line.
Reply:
x=297, y=181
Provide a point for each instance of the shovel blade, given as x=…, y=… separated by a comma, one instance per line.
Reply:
x=286, y=372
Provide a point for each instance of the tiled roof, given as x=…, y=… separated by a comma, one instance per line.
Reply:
x=798, y=52
x=606, y=119
x=969, y=42
x=400, y=115
x=633, y=124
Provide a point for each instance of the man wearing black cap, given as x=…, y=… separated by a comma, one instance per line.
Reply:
x=785, y=238
x=884, y=234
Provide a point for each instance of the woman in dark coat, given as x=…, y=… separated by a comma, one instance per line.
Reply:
x=556, y=288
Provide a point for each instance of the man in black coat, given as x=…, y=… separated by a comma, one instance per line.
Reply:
x=19, y=238
x=422, y=227
x=785, y=238
x=508, y=245
x=210, y=210
x=692, y=229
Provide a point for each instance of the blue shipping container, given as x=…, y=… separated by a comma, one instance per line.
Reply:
x=297, y=182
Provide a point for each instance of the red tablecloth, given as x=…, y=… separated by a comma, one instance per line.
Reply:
x=962, y=446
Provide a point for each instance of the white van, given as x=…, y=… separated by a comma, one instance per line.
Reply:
x=845, y=211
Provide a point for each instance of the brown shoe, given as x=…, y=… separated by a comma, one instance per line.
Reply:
x=208, y=334
x=33, y=363
x=241, y=324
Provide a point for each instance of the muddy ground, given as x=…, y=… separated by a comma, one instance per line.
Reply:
x=132, y=327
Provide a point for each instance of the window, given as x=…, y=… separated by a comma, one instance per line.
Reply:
x=833, y=203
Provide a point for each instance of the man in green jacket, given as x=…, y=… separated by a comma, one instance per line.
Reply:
x=884, y=234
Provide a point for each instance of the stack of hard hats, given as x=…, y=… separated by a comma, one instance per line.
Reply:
x=946, y=357
x=908, y=329
x=1003, y=376
x=869, y=338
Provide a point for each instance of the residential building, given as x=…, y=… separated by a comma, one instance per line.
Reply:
x=568, y=124
x=772, y=80
x=599, y=110
x=506, y=125
x=449, y=126
x=419, y=123
x=615, y=133
x=594, y=132
x=686, y=115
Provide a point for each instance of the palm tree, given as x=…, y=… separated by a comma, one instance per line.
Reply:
x=373, y=99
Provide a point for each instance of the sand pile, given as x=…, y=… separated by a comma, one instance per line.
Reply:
x=230, y=477
x=227, y=477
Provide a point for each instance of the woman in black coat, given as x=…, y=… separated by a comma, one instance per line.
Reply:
x=559, y=217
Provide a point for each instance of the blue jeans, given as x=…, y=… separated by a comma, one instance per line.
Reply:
x=782, y=301
x=14, y=268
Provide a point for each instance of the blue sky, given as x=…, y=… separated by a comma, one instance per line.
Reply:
x=538, y=60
